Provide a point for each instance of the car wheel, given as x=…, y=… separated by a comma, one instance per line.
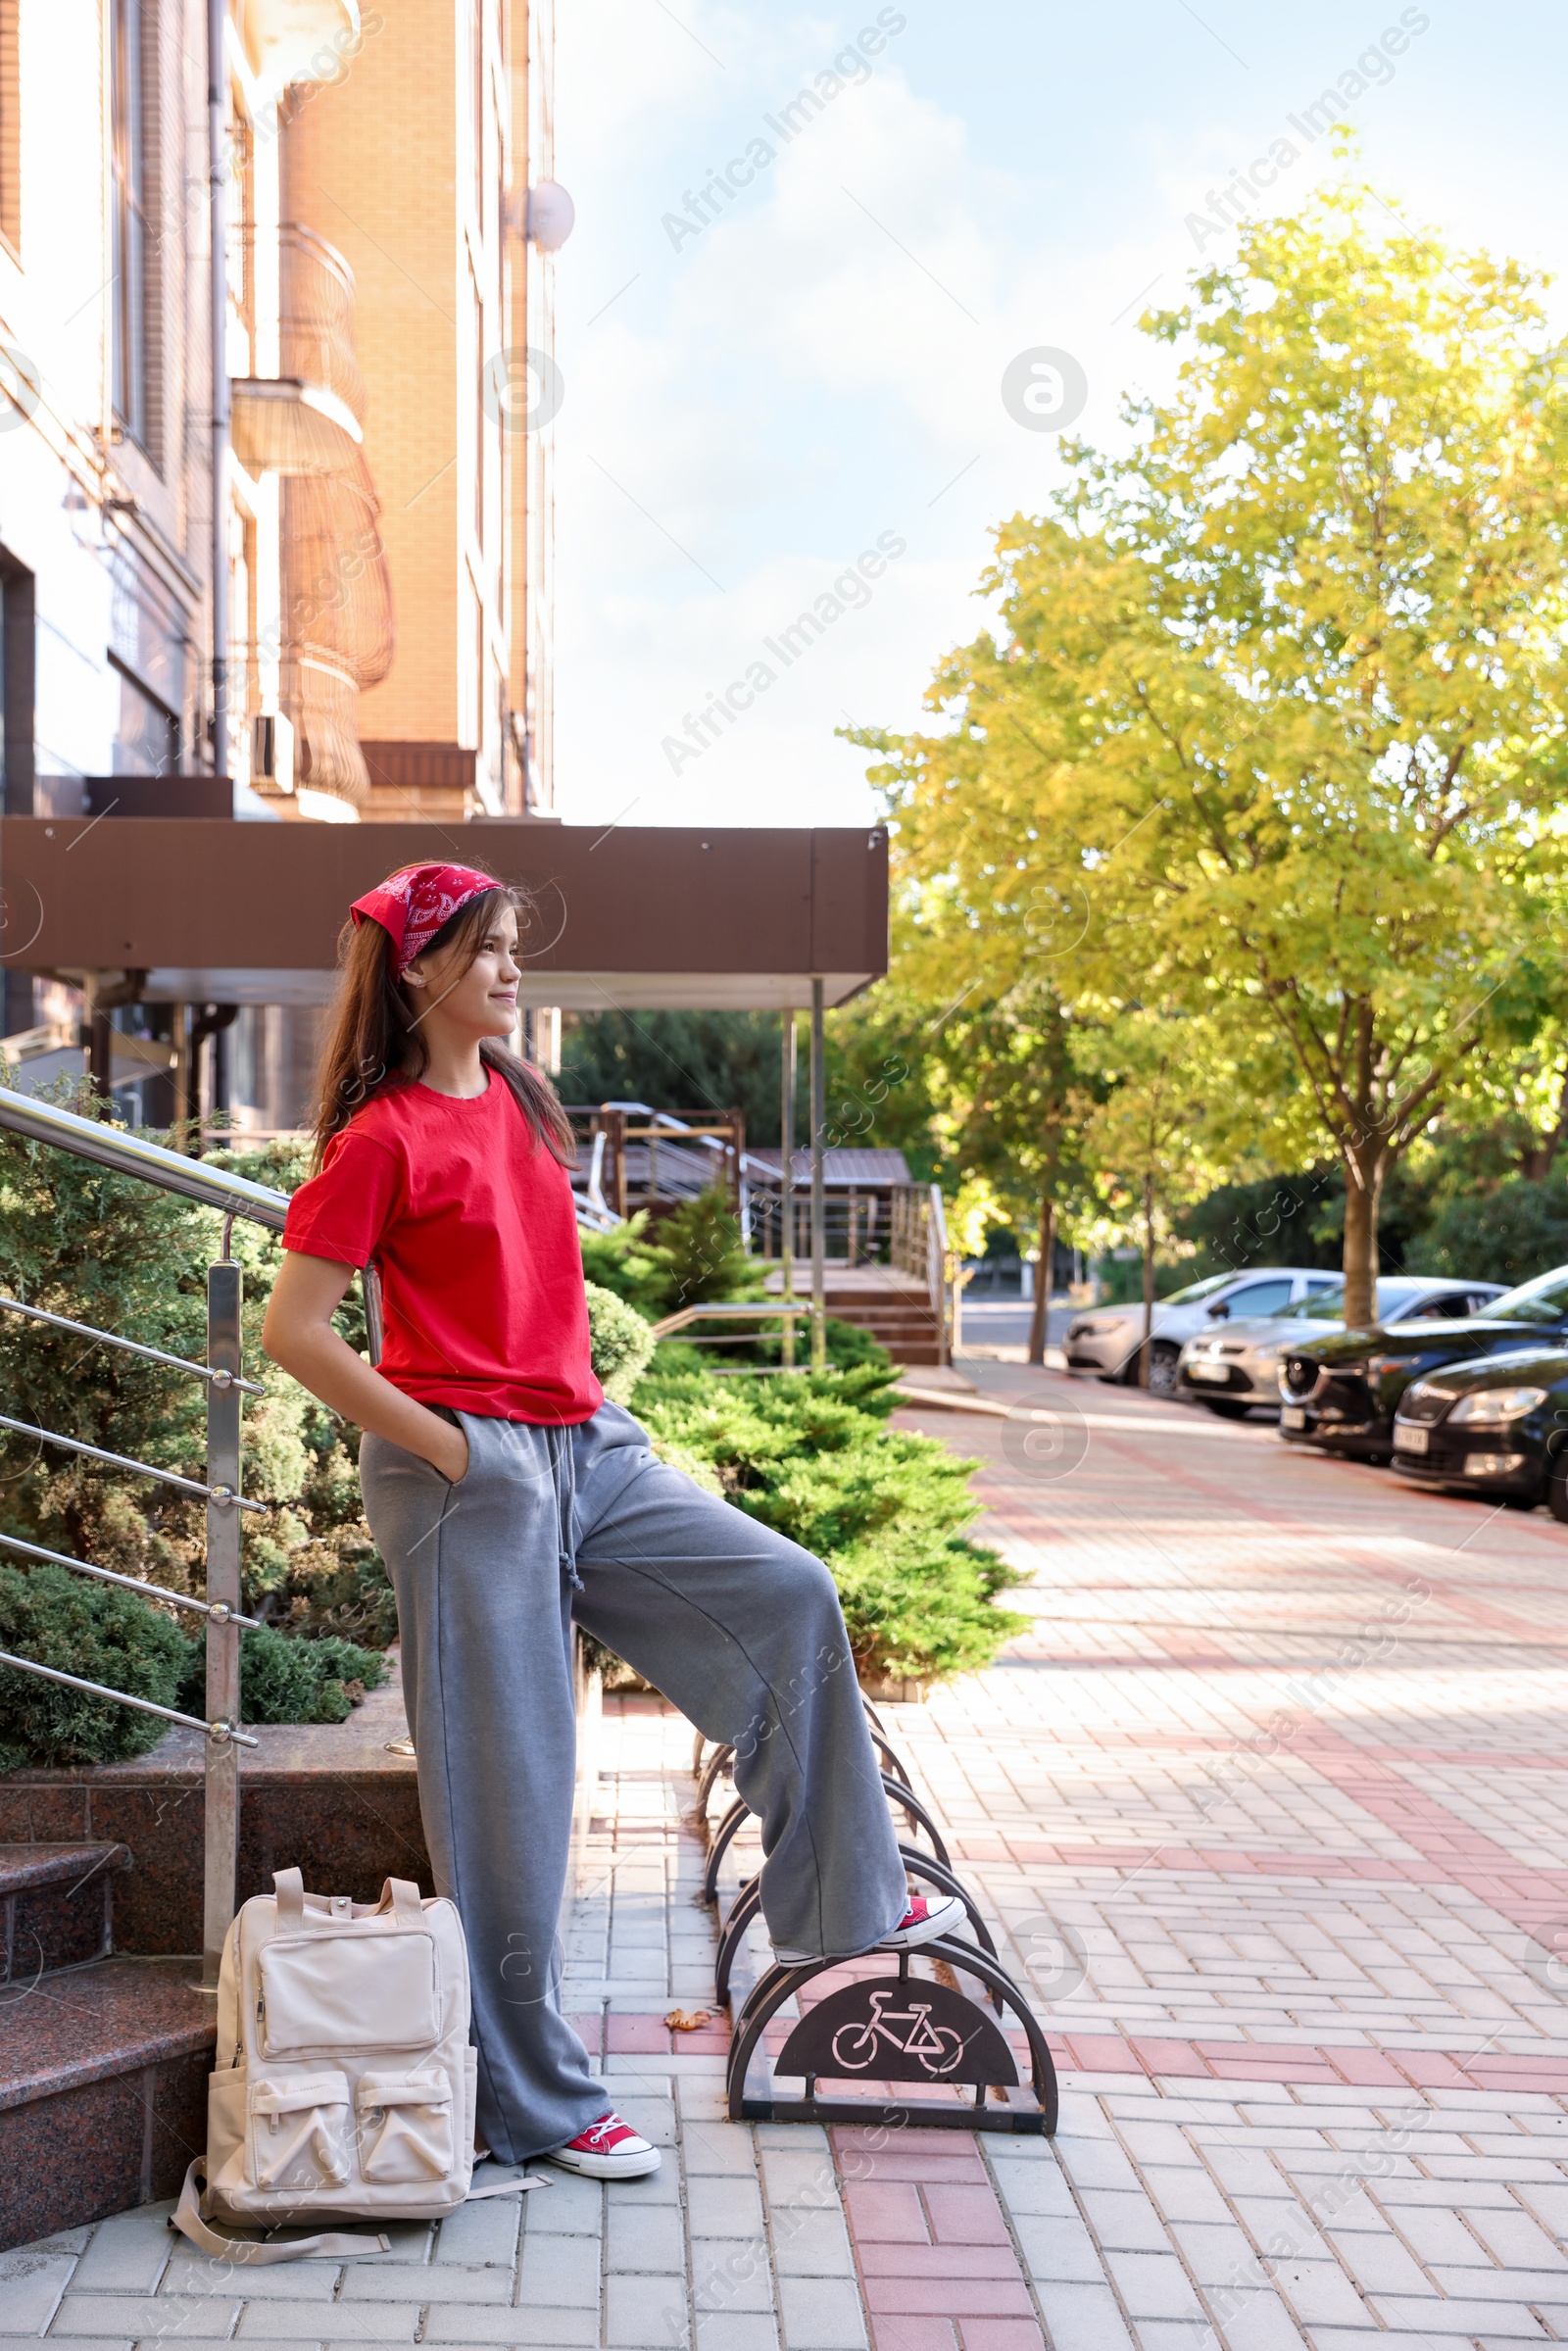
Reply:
x=1163, y=1361
x=1229, y=1408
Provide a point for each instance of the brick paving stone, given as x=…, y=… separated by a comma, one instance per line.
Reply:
x=724, y=2206
x=822, y=2313
x=810, y=2244
x=123, y=2314
x=737, y=2333
x=908, y=2333
x=646, y=2313
x=30, y=2286
x=307, y=2321
x=643, y=2236
x=1464, y=2318
x=559, y=2272
x=530, y=2326
x=129, y=2252
x=482, y=2233
x=730, y=2273
x=1084, y=2318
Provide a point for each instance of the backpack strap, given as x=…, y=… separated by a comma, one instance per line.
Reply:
x=289, y=1886
x=404, y=1899
x=245, y=2252
x=513, y=2185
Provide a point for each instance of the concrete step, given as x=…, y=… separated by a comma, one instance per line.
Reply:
x=56, y=1908
x=103, y=2091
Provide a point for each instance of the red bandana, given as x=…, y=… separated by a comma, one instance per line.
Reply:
x=412, y=906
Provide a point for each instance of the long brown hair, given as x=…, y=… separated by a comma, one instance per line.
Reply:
x=373, y=1047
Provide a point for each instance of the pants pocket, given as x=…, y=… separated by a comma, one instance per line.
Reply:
x=298, y=2128
x=405, y=2127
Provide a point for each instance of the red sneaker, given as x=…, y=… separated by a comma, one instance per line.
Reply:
x=922, y=1922
x=609, y=2149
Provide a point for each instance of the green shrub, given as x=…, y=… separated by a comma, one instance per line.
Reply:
x=94, y=1630
x=847, y=1346
x=620, y=1343
x=884, y=1508
x=283, y=1679
x=1508, y=1235
x=627, y=1262
x=701, y=1241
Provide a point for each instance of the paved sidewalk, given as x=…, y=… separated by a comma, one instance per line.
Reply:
x=1271, y=1807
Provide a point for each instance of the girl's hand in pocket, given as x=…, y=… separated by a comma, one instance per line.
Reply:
x=451, y=1456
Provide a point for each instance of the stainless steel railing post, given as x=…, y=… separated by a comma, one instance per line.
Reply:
x=224, y=1534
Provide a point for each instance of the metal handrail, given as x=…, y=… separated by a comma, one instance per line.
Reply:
x=134, y=1156
x=220, y=1732
x=219, y=1610
x=132, y=1347
x=233, y=1197
x=759, y=1311
x=937, y=1261
x=145, y=1469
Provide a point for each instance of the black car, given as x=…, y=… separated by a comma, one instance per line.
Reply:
x=1341, y=1391
x=1497, y=1428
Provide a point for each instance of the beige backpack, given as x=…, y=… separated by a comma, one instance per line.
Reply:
x=344, y=2082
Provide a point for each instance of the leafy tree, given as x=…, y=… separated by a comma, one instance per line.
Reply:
x=1507, y=1235
x=1274, y=720
x=681, y=1062
x=1012, y=1099
x=1144, y=1136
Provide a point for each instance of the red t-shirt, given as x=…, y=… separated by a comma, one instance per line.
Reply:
x=474, y=1232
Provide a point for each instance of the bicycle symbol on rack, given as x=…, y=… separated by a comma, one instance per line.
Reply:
x=937, y=2047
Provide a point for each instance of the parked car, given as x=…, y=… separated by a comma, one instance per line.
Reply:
x=1108, y=1340
x=1497, y=1428
x=1341, y=1391
x=1238, y=1367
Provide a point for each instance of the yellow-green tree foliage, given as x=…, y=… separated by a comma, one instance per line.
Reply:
x=1273, y=728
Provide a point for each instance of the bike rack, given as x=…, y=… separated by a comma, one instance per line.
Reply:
x=721, y=1761
x=749, y=1901
x=740, y=1812
x=829, y=2040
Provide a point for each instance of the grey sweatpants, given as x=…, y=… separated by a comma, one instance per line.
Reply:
x=737, y=1625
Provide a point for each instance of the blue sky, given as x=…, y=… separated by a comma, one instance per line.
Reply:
x=756, y=399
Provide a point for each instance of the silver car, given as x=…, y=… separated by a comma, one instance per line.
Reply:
x=1108, y=1340
x=1238, y=1367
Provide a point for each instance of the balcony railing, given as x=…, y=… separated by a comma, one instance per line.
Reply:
x=226, y=1506
x=316, y=315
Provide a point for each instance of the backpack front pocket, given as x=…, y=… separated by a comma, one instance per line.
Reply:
x=405, y=2126
x=355, y=1990
x=299, y=2129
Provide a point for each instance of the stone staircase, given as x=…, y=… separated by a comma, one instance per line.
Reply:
x=105, y=2045
x=103, y=2059
x=892, y=1306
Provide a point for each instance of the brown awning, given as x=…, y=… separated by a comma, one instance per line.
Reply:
x=636, y=917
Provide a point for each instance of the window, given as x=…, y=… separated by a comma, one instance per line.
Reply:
x=129, y=152
x=147, y=737
x=17, y=661
x=9, y=128
x=478, y=307
x=477, y=29
x=1260, y=1297
x=1545, y=1300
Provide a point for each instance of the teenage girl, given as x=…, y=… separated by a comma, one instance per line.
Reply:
x=508, y=1498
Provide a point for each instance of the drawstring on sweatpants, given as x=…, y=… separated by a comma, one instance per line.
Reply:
x=564, y=1473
